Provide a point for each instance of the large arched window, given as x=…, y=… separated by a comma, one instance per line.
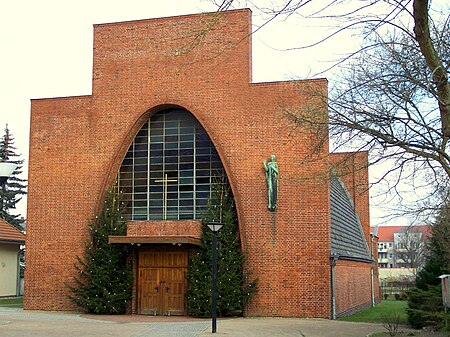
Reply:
x=169, y=168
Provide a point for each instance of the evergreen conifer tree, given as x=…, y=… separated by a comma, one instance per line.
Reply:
x=233, y=285
x=15, y=187
x=103, y=282
x=425, y=302
x=438, y=257
x=439, y=243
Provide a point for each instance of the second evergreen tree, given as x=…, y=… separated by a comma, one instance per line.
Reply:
x=233, y=285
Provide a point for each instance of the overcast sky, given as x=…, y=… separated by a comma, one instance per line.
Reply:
x=46, y=51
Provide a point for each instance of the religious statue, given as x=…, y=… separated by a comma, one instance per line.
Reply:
x=272, y=182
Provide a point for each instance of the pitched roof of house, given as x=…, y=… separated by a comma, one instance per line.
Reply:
x=347, y=236
x=10, y=234
x=386, y=233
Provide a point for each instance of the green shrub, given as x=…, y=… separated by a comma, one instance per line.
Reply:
x=425, y=307
x=428, y=300
x=419, y=319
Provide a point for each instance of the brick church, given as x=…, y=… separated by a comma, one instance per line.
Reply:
x=173, y=103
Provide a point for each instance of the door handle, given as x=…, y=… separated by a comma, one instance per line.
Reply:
x=157, y=289
x=167, y=289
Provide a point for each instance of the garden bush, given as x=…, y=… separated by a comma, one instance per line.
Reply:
x=425, y=308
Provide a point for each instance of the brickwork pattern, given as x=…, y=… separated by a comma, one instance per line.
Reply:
x=141, y=67
x=165, y=228
x=350, y=278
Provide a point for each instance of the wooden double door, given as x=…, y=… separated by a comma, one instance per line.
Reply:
x=162, y=282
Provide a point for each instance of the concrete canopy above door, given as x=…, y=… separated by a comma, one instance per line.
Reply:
x=161, y=232
x=154, y=240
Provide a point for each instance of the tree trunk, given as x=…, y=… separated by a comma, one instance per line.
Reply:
x=434, y=63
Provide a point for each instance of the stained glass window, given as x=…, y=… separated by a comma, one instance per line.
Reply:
x=169, y=168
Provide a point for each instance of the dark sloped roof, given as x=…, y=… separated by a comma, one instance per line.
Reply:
x=9, y=234
x=347, y=236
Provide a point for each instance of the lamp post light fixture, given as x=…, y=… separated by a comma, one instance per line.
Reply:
x=6, y=169
x=215, y=228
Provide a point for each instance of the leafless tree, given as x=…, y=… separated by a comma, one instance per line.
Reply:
x=410, y=249
x=386, y=103
x=391, y=96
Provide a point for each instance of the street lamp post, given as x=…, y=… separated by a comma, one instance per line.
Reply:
x=6, y=169
x=215, y=228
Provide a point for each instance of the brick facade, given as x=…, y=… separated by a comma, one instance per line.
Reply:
x=350, y=277
x=141, y=67
x=161, y=228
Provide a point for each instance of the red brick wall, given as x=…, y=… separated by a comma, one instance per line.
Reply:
x=350, y=278
x=61, y=178
x=77, y=145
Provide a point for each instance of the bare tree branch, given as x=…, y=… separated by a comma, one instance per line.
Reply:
x=391, y=95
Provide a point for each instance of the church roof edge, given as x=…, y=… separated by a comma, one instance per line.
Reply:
x=321, y=79
x=170, y=17
x=60, y=97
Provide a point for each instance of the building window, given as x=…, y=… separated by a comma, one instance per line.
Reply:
x=169, y=168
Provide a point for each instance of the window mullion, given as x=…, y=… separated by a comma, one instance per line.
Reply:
x=132, y=182
x=148, y=169
x=194, y=182
x=178, y=169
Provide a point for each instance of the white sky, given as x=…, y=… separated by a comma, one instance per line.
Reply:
x=46, y=51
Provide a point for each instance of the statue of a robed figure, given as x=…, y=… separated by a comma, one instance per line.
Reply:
x=271, y=168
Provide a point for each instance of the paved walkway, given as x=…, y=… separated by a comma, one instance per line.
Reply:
x=17, y=322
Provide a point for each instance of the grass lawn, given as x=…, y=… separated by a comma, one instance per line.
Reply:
x=374, y=315
x=16, y=302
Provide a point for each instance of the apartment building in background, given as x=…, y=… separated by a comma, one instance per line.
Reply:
x=401, y=246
